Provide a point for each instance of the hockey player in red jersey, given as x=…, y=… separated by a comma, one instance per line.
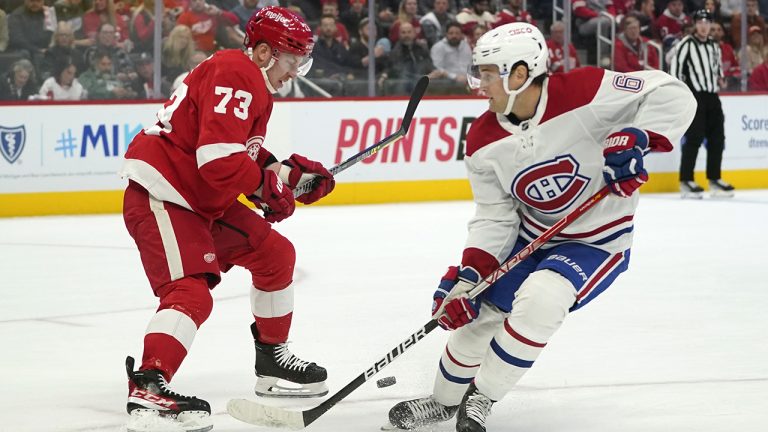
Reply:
x=546, y=145
x=185, y=175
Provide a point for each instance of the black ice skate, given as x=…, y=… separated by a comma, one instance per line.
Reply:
x=153, y=406
x=690, y=189
x=720, y=189
x=277, y=362
x=417, y=413
x=474, y=409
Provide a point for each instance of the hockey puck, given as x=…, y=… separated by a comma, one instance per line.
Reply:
x=386, y=382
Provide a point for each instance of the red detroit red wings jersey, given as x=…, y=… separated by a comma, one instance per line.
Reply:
x=205, y=149
x=526, y=177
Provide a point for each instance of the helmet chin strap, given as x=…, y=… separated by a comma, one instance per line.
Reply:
x=513, y=93
x=264, y=71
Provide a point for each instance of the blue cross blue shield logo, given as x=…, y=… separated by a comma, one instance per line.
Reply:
x=12, y=142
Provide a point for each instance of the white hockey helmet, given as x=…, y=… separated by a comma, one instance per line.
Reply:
x=505, y=46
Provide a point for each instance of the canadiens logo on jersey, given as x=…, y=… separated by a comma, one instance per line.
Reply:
x=550, y=186
x=12, y=142
x=253, y=145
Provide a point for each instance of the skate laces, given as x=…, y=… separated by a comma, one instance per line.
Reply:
x=426, y=408
x=478, y=407
x=286, y=359
x=166, y=388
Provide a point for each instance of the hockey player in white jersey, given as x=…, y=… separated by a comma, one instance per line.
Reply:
x=546, y=144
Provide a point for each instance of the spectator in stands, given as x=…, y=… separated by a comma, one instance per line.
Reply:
x=644, y=12
x=756, y=49
x=408, y=60
x=3, y=31
x=729, y=7
x=758, y=81
x=435, y=23
x=452, y=55
x=589, y=15
x=753, y=20
x=632, y=52
x=195, y=59
x=19, y=83
x=407, y=13
x=103, y=12
x=106, y=41
x=731, y=66
x=670, y=23
x=101, y=83
x=331, y=7
x=144, y=83
x=245, y=10
x=555, y=43
x=62, y=50
x=71, y=12
x=30, y=28
x=330, y=57
x=714, y=7
x=177, y=50
x=142, y=27
x=358, y=52
x=351, y=18
x=514, y=12
x=477, y=14
x=477, y=31
x=204, y=20
x=62, y=85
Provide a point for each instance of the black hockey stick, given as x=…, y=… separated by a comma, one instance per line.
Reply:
x=413, y=103
x=262, y=415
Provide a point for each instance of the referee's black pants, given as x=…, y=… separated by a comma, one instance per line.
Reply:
x=708, y=123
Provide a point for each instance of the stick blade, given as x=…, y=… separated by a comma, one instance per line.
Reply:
x=416, y=95
x=261, y=415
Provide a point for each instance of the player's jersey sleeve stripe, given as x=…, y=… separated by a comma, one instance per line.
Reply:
x=528, y=221
x=211, y=152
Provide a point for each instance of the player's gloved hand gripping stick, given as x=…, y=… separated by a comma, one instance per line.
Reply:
x=418, y=92
x=262, y=415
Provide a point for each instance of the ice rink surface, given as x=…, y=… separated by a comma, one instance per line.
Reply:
x=678, y=343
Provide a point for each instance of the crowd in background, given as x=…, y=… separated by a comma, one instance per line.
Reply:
x=102, y=49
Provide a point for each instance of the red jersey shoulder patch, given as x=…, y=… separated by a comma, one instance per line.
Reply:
x=572, y=90
x=484, y=130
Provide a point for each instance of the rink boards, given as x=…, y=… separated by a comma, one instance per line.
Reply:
x=63, y=158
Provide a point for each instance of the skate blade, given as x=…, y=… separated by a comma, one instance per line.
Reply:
x=721, y=194
x=691, y=195
x=276, y=388
x=153, y=421
x=390, y=427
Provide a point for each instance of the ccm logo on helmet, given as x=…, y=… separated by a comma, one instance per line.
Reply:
x=550, y=186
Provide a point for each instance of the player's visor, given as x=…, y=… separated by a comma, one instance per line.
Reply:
x=477, y=78
x=291, y=62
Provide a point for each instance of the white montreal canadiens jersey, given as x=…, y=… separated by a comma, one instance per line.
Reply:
x=527, y=177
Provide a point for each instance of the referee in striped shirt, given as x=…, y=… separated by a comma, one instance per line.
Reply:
x=698, y=63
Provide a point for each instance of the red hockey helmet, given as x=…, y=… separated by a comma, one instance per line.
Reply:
x=282, y=29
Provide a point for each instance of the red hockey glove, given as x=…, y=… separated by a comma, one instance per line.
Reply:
x=273, y=193
x=299, y=167
x=453, y=291
x=623, y=171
